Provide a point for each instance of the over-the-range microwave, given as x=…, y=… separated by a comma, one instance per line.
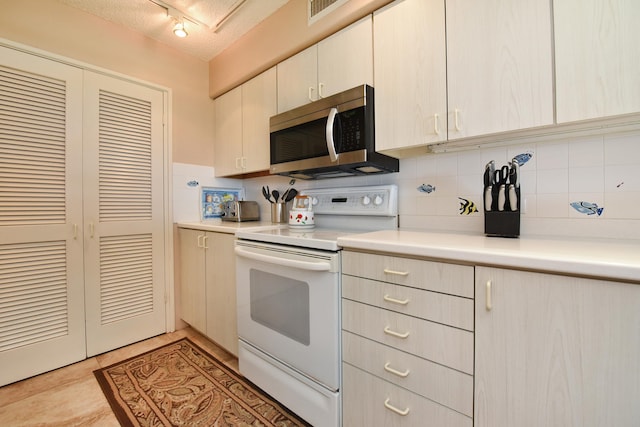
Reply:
x=329, y=138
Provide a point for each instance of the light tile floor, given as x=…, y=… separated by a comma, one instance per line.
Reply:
x=71, y=396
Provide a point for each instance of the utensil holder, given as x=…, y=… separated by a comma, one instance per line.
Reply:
x=504, y=223
x=279, y=213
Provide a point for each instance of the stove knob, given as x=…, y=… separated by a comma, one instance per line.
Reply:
x=366, y=200
x=377, y=201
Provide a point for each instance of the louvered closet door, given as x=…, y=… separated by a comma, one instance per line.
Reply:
x=123, y=207
x=41, y=281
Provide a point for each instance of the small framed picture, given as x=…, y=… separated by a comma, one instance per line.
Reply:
x=212, y=198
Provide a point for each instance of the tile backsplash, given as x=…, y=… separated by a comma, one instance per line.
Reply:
x=600, y=175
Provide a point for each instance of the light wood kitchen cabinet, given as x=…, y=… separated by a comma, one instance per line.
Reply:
x=555, y=350
x=597, y=58
x=499, y=66
x=208, y=288
x=485, y=68
x=341, y=61
x=192, y=279
x=242, y=126
x=407, y=341
x=221, y=290
x=410, y=75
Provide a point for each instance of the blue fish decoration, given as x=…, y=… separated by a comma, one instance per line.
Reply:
x=467, y=207
x=523, y=158
x=426, y=188
x=192, y=183
x=587, y=208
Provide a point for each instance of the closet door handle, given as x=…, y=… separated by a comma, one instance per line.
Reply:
x=396, y=301
x=488, y=296
x=397, y=273
x=395, y=334
x=392, y=408
x=388, y=368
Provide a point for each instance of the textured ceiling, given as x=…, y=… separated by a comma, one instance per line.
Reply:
x=150, y=18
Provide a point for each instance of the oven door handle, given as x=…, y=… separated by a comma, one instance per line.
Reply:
x=285, y=262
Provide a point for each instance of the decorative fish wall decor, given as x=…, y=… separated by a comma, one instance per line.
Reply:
x=426, y=188
x=467, y=207
x=523, y=158
x=587, y=208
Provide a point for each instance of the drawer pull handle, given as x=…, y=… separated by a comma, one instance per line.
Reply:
x=397, y=273
x=396, y=301
x=394, y=409
x=388, y=368
x=394, y=333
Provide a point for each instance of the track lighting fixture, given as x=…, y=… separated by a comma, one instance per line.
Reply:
x=179, y=29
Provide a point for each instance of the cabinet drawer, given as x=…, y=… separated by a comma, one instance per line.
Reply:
x=442, y=344
x=442, y=308
x=443, y=385
x=434, y=276
x=365, y=399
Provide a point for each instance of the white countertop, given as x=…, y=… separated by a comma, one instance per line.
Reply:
x=230, y=227
x=614, y=259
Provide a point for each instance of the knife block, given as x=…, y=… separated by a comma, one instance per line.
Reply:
x=504, y=223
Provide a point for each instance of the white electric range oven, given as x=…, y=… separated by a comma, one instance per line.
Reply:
x=289, y=288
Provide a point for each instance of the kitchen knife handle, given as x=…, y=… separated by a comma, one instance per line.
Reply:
x=488, y=198
x=513, y=198
x=501, y=197
x=488, y=296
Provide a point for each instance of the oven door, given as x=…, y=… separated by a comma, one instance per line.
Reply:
x=289, y=307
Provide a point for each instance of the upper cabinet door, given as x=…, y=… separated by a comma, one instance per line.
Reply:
x=345, y=60
x=227, y=147
x=410, y=75
x=339, y=62
x=499, y=65
x=297, y=79
x=597, y=58
x=258, y=105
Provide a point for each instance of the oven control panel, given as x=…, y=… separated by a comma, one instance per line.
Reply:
x=379, y=200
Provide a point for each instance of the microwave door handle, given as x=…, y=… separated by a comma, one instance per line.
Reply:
x=331, y=145
x=303, y=265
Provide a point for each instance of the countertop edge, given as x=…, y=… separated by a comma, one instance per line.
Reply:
x=617, y=260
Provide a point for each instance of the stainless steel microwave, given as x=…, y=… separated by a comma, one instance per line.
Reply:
x=329, y=138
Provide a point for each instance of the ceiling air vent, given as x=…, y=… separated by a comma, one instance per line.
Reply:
x=320, y=8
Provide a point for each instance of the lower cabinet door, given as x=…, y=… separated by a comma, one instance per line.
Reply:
x=370, y=401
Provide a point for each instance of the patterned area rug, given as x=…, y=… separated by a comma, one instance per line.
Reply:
x=180, y=384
